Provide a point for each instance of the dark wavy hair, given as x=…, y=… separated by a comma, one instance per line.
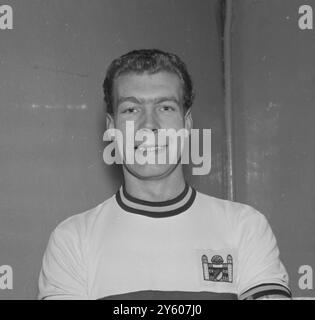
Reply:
x=150, y=61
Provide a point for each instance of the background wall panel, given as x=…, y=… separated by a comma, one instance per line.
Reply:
x=273, y=112
x=52, y=65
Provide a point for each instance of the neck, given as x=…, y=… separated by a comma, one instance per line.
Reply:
x=163, y=189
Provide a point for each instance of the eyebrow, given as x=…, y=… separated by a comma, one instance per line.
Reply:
x=141, y=101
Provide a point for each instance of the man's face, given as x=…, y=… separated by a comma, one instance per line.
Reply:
x=152, y=102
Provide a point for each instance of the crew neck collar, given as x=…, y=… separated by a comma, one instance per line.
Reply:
x=156, y=209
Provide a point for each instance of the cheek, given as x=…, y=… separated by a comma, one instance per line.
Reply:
x=172, y=119
x=124, y=125
x=175, y=123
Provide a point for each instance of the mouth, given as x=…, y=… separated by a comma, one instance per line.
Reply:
x=150, y=148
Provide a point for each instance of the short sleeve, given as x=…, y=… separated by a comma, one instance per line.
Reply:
x=260, y=271
x=63, y=273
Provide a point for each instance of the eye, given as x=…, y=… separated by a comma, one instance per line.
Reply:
x=167, y=108
x=129, y=110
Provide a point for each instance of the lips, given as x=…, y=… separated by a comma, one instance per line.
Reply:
x=150, y=148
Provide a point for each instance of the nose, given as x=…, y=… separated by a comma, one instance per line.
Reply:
x=149, y=121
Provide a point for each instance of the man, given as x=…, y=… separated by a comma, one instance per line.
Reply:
x=157, y=237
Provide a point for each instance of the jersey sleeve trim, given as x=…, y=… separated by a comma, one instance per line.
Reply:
x=266, y=289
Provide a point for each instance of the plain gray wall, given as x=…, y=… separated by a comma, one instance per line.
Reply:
x=52, y=65
x=274, y=132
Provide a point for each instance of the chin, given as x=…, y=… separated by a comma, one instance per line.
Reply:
x=151, y=172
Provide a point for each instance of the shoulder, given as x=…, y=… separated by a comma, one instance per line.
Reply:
x=240, y=217
x=229, y=209
x=78, y=224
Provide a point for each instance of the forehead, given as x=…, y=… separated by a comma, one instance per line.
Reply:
x=148, y=86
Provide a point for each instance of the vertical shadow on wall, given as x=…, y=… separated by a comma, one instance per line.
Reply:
x=215, y=183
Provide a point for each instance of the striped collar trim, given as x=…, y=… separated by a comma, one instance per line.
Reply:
x=153, y=209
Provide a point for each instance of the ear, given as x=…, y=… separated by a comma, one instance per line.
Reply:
x=188, y=120
x=110, y=123
x=110, y=126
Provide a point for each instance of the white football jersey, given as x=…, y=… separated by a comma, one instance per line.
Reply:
x=191, y=247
